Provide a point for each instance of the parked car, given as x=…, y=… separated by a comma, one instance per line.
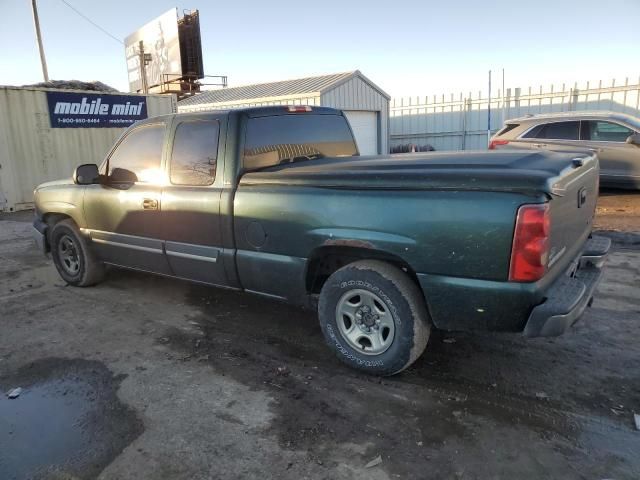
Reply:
x=614, y=137
x=277, y=202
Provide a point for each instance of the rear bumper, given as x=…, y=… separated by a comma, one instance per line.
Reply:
x=39, y=233
x=569, y=296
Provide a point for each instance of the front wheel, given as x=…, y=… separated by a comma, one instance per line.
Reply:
x=75, y=262
x=374, y=317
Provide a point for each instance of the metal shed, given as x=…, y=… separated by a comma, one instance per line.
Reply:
x=365, y=104
x=33, y=151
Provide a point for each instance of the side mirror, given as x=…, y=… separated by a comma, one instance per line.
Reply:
x=122, y=175
x=86, y=174
x=634, y=139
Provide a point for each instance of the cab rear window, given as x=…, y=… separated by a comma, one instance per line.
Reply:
x=281, y=139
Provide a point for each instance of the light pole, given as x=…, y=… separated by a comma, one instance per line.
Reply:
x=36, y=23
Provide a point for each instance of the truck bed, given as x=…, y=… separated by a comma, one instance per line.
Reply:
x=506, y=171
x=449, y=216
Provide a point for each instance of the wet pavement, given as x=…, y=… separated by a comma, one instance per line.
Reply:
x=145, y=377
x=67, y=420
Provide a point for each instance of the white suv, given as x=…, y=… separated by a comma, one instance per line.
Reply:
x=613, y=136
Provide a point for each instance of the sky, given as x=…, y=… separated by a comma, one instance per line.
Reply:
x=407, y=47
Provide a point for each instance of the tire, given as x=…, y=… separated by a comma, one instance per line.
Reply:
x=74, y=260
x=361, y=302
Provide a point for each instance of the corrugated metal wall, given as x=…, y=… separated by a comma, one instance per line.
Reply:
x=356, y=94
x=263, y=102
x=31, y=152
x=459, y=122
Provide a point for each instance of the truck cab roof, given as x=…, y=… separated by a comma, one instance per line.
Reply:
x=251, y=112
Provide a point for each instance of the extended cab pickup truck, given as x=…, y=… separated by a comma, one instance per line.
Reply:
x=276, y=201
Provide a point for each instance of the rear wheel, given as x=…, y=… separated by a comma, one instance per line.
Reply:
x=75, y=262
x=373, y=317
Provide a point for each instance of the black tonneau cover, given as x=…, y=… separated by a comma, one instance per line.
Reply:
x=508, y=170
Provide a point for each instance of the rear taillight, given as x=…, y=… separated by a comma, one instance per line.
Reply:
x=494, y=143
x=298, y=108
x=530, y=250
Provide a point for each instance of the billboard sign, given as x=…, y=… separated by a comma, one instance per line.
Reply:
x=160, y=39
x=94, y=110
x=191, y=44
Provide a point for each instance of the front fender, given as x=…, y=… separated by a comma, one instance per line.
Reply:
x=65, y=200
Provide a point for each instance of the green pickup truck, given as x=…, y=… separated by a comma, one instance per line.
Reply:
x=277, y=201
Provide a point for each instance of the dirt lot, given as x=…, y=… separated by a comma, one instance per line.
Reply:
x=618, y=211
x=149, y=378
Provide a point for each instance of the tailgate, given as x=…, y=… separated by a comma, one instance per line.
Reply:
x=572, y=207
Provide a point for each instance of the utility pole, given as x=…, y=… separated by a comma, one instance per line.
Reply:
x=36, y=22
x=143, y=67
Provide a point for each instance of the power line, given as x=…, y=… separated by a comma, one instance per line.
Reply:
x=91, y=21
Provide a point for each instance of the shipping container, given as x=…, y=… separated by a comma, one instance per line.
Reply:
x=38, y=145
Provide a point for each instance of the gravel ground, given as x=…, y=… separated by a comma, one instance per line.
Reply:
x=618, y=210
x=143, y=377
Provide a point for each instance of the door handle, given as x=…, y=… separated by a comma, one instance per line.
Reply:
x=539, y=145
x=150, y=204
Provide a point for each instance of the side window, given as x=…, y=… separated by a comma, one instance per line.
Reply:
x=507, y=128
x=137, y=158
x=533, y=133
x=195, y=152
x=559, y=131
x=605, y=132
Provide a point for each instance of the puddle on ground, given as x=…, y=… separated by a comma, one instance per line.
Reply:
x=66, y=422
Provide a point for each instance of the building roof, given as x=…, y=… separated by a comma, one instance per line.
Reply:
x=308, y=86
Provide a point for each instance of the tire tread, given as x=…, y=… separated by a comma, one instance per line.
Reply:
x=407, y=289
x=93, y=269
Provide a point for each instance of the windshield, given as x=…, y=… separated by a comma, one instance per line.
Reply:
x=282, y=139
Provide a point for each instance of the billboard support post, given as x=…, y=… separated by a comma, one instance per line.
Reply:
x=143, y=68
